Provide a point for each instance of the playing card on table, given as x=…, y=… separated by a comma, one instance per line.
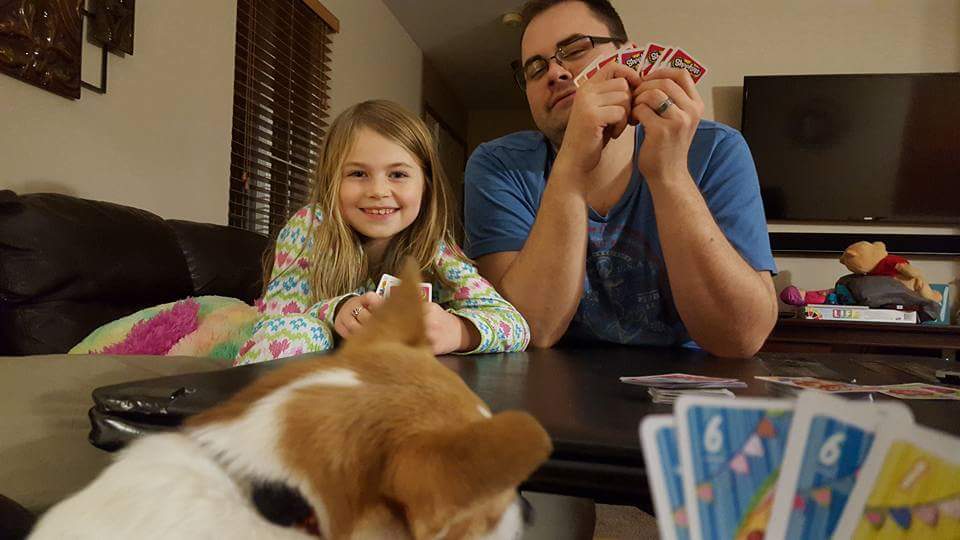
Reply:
x=658, y=437
x=683, y=380
x=920, y=391
x=908, y=487
x=813, y=383
x=828, y=442
x=730, y=452
x=666, y=395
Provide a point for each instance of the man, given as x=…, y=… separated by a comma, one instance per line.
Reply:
x=626, y=219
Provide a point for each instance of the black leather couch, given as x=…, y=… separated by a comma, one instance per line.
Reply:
x=69, y=265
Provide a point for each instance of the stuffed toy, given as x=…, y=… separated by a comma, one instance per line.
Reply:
x=798, y=297
x=872, y=259
x=794, y=296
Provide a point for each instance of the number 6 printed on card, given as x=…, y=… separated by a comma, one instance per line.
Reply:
x=730, y=452
x=829, y=441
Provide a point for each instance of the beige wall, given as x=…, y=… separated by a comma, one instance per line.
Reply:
x=373, y=57
x=160, y=138
x=768, y=37
x=734, y=38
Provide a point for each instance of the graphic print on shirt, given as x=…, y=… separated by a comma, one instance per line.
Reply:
x=623, y=300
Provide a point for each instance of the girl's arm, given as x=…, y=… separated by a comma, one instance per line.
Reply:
x=289, y=291
x=502, y=328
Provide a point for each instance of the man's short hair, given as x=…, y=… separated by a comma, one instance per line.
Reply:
x=601, y=8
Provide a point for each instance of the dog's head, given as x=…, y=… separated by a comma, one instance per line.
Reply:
x=381, y=439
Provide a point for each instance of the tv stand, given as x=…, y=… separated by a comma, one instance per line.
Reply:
x=809, y=335
x=833, y=244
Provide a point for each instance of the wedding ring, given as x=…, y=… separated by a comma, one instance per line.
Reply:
x=663, y=107
x=356, y=312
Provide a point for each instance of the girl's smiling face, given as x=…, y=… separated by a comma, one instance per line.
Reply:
x=381, y=186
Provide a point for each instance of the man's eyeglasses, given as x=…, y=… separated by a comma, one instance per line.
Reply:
x=572, y=49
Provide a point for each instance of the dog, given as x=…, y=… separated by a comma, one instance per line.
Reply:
x=378, y=440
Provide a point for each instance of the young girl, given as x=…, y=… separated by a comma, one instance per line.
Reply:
x=380, y=196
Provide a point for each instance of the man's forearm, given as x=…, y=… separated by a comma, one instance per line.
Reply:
x=545, y=280
x=727, y=306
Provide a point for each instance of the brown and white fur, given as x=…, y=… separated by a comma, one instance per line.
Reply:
x=379, y=439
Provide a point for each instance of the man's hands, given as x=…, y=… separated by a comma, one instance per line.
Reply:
x=667, y=137
x=617, y=96
x=600, y=112
x=446, y=332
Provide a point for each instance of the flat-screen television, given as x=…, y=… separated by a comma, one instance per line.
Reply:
x=856, y=147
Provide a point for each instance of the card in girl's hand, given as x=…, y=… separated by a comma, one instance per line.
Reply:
x=426, y=291
x=386, y=281
x=658, y=436
x=829, y=441
x=909, y=487
x=731, y=452
x=679, y=59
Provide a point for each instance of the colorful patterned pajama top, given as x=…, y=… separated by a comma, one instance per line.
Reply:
x=291, y=324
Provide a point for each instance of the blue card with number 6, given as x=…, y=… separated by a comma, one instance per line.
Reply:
x=730, y=452
x=658, y=437
x=829, y=441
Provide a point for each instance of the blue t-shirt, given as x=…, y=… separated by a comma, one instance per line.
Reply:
x=626, y=297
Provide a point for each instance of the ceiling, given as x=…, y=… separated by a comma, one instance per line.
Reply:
x=468, y=45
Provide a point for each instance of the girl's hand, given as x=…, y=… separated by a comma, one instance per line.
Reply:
x=346, y=323
x=448, y=333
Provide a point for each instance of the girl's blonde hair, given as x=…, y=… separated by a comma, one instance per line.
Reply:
x=337, y=262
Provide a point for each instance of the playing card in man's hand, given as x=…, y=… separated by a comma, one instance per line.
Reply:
x=651, y=56
x=680, y=59
x=592, y=68
x=631, y=57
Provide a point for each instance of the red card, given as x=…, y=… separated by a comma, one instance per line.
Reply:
x=612, y=58
x=587, y=73
x=663, y=57
x=632, y=58
x=652, y=53
x=679, y=59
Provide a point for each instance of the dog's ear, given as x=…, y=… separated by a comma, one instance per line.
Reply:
x=435, y=476
x=400, y=318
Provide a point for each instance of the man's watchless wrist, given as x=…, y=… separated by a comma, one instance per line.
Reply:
x=564, y=177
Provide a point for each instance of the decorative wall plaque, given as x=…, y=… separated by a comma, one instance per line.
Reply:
x=40, y=43
x=111, y=25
